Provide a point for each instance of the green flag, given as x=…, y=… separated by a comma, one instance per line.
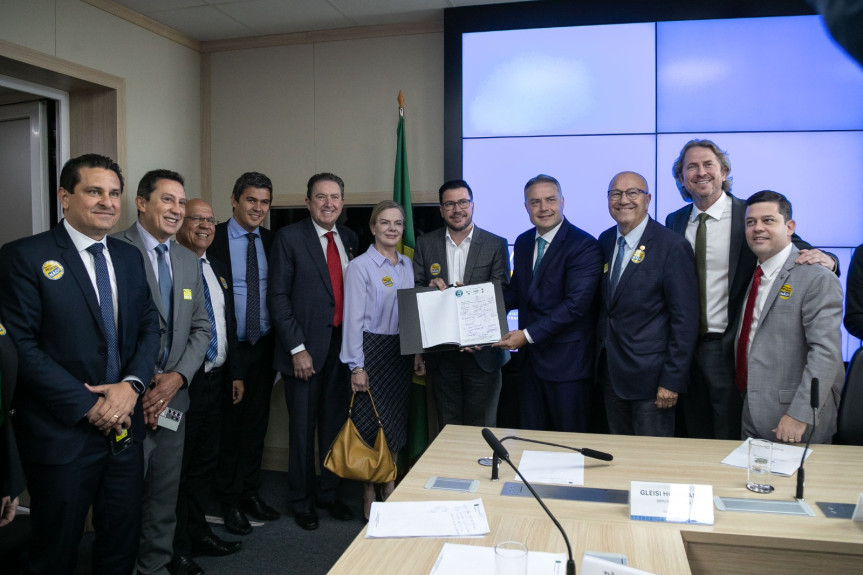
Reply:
x=417, y=416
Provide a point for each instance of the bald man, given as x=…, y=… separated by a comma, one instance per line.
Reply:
x=648, y=323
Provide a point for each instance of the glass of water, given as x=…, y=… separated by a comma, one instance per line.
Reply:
x=510, y=558
x=760, y=459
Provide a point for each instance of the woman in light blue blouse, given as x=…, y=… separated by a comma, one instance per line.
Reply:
x=370, y=340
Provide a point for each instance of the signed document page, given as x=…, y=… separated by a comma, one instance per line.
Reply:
x=461, y=315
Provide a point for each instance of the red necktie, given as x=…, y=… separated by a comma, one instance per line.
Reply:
x=334, y=265
x=745, y=328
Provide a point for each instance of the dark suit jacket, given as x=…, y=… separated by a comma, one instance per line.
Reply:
x=223, y=274
x=56, y=325
x=557, y=306
x=487, y=261
x=11, y=472
x=222, y=252
x=650, y=325
x=300, y=294
x=854, y=295
x=741, y=264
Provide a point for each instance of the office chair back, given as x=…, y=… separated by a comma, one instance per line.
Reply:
x=850, y=423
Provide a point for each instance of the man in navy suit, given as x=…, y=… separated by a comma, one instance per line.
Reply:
x=244, y=244
x=648, y=321
x=77, y=306
x=306, y=297
x=554, y=286
x=713, y=405
x=11, y=472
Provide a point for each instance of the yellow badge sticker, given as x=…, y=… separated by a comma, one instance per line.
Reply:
x=387, y=281
x=121, y=436
x=2, y=329
x=785, y=291
x=187, y=294
x=638, y=255
x=605, y=268
x=52, y=270
x=223, y=282
x=435, y=269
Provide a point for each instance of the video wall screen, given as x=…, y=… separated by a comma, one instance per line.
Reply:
x=583, y=103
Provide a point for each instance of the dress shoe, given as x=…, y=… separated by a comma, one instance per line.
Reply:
x=308, y=519
x=256, y=507
x=181, y=565
x=235, y=521
x=337, y=510
x=215, y=547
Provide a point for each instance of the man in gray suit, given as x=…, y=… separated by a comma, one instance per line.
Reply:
x=177, y=288
x=788, y=332
x=466, y=385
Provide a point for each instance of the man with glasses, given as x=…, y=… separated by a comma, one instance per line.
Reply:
x=713, y=225
x=648, y=320
x=219, y=376
x=556, y=274
x=466, y=385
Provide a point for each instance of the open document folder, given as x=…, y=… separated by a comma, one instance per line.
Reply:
x=427, y=519
x=461, y=316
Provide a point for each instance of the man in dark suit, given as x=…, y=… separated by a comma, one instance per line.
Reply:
x=648, y=321
x=556, y=273
x=77, y=306
x=175, y=283
x=244, y=245
x=219, y=376
x=713, y=405
x=11, y=472
x=306, y=297
x=466, y=385
x=854, y=295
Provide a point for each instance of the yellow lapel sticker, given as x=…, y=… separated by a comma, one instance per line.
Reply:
x=387, y=281
x=2, y=329
x=785, y=291
x=223, y=282
x=435, y=269
x=52, y=270
x=187, y=294
x=605, y=268
x=638, y=255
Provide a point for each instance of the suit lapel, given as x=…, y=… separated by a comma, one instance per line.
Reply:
x=476, y=244
x=550, y=253
x=632, y=268
x=72, y=260
x=738, y=237
x=134, y=238
x=316, y=253
x=679, y=223
x=777, y=284
x=176, y=279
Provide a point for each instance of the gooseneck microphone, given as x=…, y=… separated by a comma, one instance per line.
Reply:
x=813, y=402
x=501, y=452
x=587, y=452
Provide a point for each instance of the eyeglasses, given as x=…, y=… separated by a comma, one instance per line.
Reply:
x=463, y=204
x=631, y=194
x=199, y=219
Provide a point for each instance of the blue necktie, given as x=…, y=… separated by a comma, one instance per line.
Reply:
x=253, y=293
x=540, y=251
x=106, y=306
x=213, y=349
x=618, y=263
x=165, y=291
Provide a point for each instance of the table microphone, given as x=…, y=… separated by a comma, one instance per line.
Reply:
x=501, y=452
x=587, y=452
x=813, y=401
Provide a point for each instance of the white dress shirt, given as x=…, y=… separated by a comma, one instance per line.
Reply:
x=217, y=299
x=456, y=256
x=718, y=259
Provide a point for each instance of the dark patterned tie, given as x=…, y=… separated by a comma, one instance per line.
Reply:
x=253, y=293
x=618, y=263
x=741, y=375
x=334, y=266
x=213, y=348
x=106, y=306
x=165, y=286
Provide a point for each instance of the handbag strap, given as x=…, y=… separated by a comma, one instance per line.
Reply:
x=351, y=407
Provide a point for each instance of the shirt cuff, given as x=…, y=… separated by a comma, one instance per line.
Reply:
x=298, y=349
x=527, y=337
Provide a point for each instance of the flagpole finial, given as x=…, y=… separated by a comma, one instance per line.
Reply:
x=401, y=99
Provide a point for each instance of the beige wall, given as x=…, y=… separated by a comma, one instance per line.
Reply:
x=292, y=111
x=162, y=80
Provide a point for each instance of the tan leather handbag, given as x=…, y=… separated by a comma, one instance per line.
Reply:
x=350, y=457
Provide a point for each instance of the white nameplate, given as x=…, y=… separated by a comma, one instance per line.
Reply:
x=592, y=565
x=858, y=511
x=672, y=502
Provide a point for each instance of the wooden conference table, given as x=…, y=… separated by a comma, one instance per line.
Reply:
x=737, y=543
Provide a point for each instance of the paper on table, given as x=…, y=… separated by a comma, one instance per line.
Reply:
x=556, y=467
x=786, y=458
x=456, y=559
x=427, y=519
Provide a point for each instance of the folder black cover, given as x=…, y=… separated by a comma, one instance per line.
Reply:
x=410, y=335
